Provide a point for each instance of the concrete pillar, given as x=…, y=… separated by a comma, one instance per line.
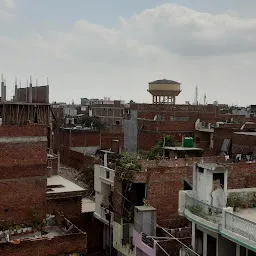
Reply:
x=237, y=250
x=205, y=244
x=193, y=238
x=105, y=160
x=58, y=164
x=2, y=92
x=30, y=92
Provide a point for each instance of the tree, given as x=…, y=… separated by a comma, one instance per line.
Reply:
x=91, y=121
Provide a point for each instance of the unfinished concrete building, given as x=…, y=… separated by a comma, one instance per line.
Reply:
x=29, y=105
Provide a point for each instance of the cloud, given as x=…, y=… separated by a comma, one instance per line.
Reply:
x=9, y=3
x=183, y=31
x=6, y=7
x=169, y=41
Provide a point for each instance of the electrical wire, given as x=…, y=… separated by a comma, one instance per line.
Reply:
x=175, y=238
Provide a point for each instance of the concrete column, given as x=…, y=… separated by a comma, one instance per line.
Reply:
x=193, y=238
x=30, y=95
x=224, y=210
x=105, y=160
x=205, y=244
x=58, y=164
x=16, y=93
x=2, y=92
x=237, y=250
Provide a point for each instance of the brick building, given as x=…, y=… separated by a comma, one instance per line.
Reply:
x=240, y=137
x=147, y=123
x=27, y=201
x=111, y=113
x=78, y=146
x=158, y=186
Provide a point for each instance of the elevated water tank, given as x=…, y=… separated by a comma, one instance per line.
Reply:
x=164, y=91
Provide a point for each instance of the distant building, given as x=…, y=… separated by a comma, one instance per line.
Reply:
x=110, y=112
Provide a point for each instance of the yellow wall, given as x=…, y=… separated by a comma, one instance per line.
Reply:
x=164, y=87
x=117, y=241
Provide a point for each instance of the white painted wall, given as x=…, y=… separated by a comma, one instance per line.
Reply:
x=97, y=181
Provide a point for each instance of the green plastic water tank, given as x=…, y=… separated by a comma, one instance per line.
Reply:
x=188, y=142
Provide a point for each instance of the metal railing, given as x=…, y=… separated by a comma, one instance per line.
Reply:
x=147, y=240
x=203, y=210
x=241, y=226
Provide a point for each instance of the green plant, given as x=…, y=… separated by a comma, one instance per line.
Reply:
x=196, y=210
x=126, y=166
x=91, y=121
x=167, y=141
x=36, y=219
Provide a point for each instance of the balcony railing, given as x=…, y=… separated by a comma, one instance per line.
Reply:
x=107, y=174
x=147, y=240
x=203, y=210
x=241, y=226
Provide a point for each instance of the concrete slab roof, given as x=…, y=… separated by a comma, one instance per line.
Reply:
x=145, y=208
x=57, y=184
x=87, y=151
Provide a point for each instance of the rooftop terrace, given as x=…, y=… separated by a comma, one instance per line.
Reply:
x=59, y=186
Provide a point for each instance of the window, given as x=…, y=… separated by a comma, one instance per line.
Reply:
x=107, y=174
x=201, y=170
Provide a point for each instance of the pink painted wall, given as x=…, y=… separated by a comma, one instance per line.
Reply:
x=137, y=242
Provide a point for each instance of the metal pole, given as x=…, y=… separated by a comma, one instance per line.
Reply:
x=109, y=226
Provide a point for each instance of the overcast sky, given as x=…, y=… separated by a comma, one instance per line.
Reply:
x=113, y=48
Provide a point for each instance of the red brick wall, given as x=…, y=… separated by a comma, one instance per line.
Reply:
x=64, y=140
x=22, y=174
x=242, y=175
x=163, y=186
x=24, y=130
x=70, y=207
x=148, y=139
x=242, y=144
x=148, y=111
x=47, y=247
x=23, y=154
x=151, y=131
x=22, y=198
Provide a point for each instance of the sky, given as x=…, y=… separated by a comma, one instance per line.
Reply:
x=113, y=48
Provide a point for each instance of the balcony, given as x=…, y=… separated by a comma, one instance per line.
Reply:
x=237, y=223
x=240, y=226
x=144, y=243
x=199, y=211
x=107, y=175
x=146, y=240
